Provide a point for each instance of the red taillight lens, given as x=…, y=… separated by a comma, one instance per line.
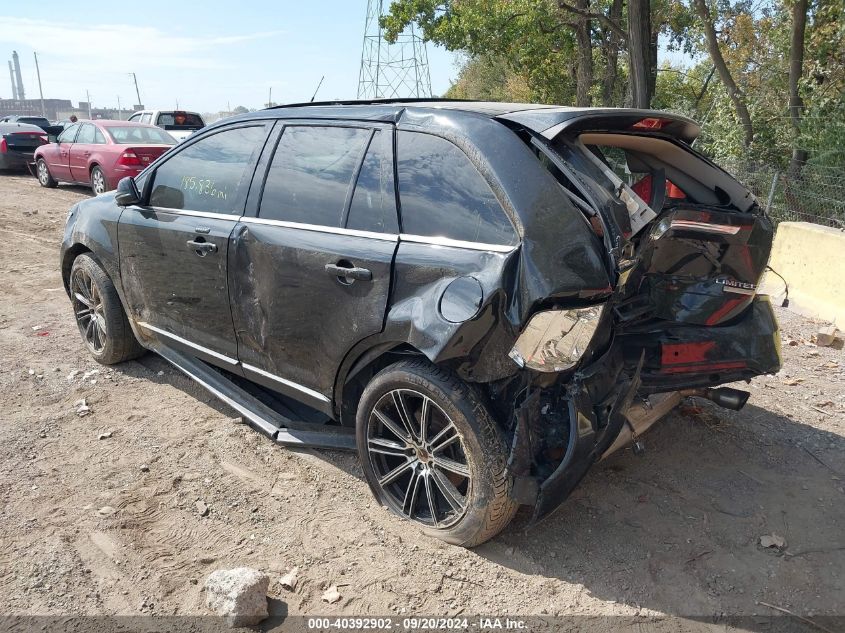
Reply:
x=129, y=159
x=3, y=146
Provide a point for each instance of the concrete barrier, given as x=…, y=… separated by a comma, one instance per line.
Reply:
x=811, y=258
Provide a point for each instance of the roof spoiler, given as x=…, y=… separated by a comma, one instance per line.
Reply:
x=553, y=121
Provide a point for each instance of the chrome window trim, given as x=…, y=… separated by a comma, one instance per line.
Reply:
x=288, y=383
x=446, y=241
x=204, y=350
x=193, y=214
x=318, y=228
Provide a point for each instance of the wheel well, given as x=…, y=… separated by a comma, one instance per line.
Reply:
x=363, y=371
x=67, y=263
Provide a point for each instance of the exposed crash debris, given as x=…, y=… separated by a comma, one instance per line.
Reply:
x=331, y=595
x=828, y=336
x=289, y=580
x=773, y=541
x=82, y=408
x=238, y=595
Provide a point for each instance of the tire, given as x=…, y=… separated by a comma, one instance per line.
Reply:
x=455, y=484
x=99, y=184
x=43, y=173
x=99, y=313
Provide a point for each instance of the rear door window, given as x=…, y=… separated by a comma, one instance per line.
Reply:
x=373, y=205
x=442, y=194
x=311, y=174
x=210, y=175
x=86, y=134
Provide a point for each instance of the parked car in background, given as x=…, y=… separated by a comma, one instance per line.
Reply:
x=179, y=123
x=18, y=141
x=40, y=121
x=100, y=153
x=466, y=292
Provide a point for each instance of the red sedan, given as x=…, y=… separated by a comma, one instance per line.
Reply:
x=100, y=153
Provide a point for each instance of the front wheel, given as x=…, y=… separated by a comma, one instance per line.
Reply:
x=432, y=453
x=99, y=313
x=44, y=177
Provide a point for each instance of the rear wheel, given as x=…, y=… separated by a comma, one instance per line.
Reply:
x=99, y=313
x=43, y=172
x=432, y=453
x=98, y=181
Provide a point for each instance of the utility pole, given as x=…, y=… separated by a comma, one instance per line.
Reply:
x=137, y=93
x=88, y=96
x=119, y=111
x=40, y=91
x=270, y=98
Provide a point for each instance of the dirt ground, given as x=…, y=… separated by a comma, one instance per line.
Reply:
x=111, y=526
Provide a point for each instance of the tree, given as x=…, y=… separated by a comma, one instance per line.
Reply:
x=796, y=68
x=734, y=93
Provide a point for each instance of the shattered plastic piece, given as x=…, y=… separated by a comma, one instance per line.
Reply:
x=826, y=336
x=773, y=540
x=331, y=595
x=289, y=580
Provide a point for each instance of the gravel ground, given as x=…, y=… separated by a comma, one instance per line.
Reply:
x=102, y=514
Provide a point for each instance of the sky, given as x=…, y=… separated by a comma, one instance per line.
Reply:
x=208, y=56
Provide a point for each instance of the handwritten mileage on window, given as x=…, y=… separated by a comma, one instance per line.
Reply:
x=203, y=187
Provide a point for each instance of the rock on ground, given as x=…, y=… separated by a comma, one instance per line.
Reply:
x=239, y=595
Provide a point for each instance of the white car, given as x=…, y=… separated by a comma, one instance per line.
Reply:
x=179, y=123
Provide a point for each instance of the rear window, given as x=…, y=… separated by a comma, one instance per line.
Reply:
x=179, y=120
x=442, y=194
x=135, y=134
x=33, y=121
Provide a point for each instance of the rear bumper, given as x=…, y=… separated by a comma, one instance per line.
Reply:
x=681, y=356
x=15, y=160
x=595, y=410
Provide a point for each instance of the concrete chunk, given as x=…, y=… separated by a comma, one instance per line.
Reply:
x=238, y=595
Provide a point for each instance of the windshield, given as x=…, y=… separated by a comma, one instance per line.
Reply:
x=179, y=120
x=133, y=134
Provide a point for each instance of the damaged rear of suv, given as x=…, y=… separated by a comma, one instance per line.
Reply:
x=482, y=299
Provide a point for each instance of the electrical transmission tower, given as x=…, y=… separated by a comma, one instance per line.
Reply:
x=392, y=71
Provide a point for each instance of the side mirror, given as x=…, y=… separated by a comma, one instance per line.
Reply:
x=127, y=193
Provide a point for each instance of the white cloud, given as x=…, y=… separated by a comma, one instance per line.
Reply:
x=118, y=47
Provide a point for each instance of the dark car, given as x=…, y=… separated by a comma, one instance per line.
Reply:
x=483, y=299
x=18, y=141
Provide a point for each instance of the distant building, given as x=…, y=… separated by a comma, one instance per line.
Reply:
x=59, y=109
x=32, y=107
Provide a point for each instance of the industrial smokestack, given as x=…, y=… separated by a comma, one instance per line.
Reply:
x=12, y=76
x=17, y=63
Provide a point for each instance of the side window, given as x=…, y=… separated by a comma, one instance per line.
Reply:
x=145, y=118
x=374, y=201
x=67, y=135
x=443, y=194
x=135, y=117
x=311, y=173
x=99, y=139
x=86, y=134
x=209, y=175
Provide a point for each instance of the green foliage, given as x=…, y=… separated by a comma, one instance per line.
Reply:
x=525, y=50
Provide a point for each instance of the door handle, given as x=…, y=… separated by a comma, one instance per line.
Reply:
x=202, y=248
x=349, y=272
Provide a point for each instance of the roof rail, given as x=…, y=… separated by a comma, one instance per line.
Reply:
x=344, y=102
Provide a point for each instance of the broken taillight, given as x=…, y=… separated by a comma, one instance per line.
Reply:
x=555, y=340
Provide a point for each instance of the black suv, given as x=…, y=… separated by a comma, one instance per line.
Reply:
x=484, y=299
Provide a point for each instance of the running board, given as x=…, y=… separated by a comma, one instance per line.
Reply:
x=274, y=425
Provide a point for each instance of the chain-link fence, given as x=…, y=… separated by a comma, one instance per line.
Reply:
x=817, y=195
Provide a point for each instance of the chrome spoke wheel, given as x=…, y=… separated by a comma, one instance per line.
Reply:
x=43, y=174
x=98, y=182
x=418, y=458
x=88, y=308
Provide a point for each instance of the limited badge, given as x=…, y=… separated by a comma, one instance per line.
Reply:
x=739, y=287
